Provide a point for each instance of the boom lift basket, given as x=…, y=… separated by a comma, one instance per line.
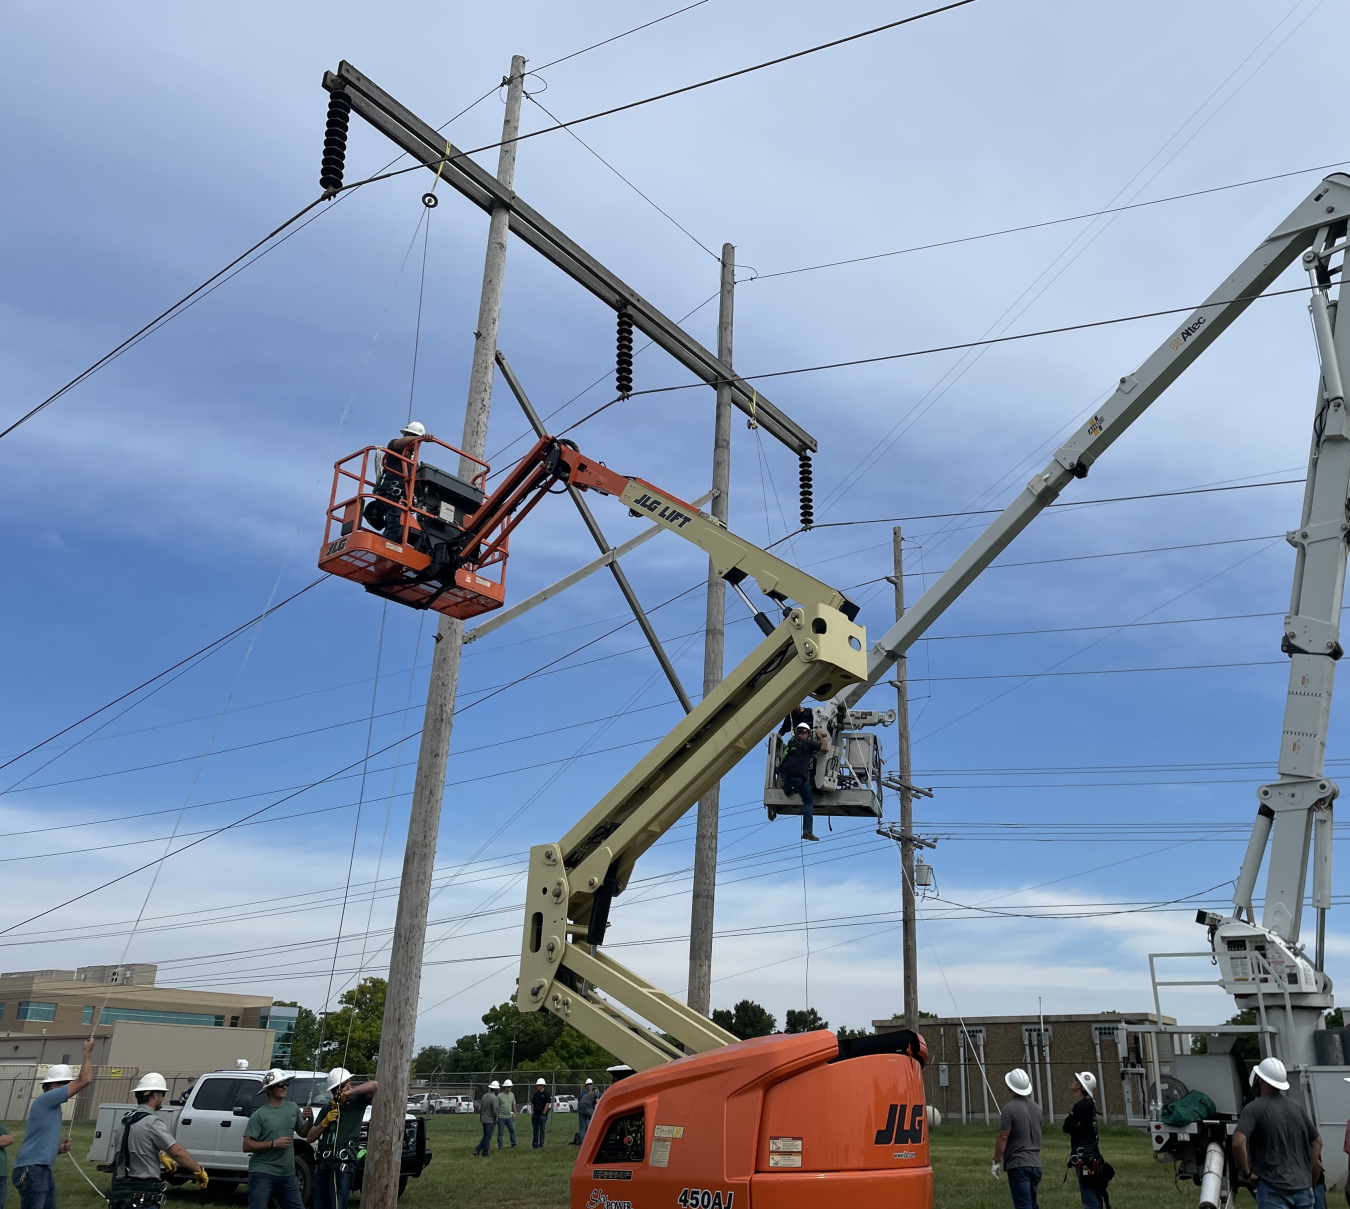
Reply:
x=401, y=527
x=846, y=778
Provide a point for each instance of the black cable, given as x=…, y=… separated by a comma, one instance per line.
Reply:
x=224, y=638
x=662, y=96
x=616, y=37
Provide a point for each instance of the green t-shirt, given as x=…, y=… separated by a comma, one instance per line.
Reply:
x=266, y=1125
x=339, y=1143
x=506, y=1104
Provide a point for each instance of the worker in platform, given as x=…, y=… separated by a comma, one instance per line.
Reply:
x=1017, y=1147
x=799, y=714
x=338, y=1137
x=42, y=1135
x=1093, y=1171
x=1276, y=1148
x=391, y=482
x=794, y=772
x=506, y=1114
x=269, y=1140
x=146, y=1150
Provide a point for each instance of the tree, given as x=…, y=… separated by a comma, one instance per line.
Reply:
x=351, y=1035
x=747, y=1019
x=806, y=1021
x=847, y=1034
x=1244, y=1046
x=523, y=1040
x=431, y=1059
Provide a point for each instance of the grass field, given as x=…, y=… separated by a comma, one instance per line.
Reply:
x=537, y=1179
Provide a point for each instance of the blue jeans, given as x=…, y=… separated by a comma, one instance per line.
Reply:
x=1087, y=1195
x=486, y=1144
x=332, y=1187
x=583, y=1124
x=264, y=1188
x=505, y=1125
x=801, y=786
x=537, y=1138
x=1268, y=1198
x=1022, y=1183
x=37, y=1188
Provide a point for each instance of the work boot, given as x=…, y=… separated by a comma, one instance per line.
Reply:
x=810, y=835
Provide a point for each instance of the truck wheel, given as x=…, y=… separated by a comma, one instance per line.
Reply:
x=402, y=1184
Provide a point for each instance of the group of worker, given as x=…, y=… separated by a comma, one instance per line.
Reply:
x=497, y=1114
x=145, y=1150
x=1277, y=1152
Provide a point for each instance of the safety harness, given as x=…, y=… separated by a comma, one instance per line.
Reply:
x=128, y=1192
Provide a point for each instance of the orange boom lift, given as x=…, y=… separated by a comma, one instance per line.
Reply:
x=707, y=1122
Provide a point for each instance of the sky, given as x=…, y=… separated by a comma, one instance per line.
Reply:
x=1094, y=714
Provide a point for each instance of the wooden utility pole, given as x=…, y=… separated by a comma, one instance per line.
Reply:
x=699, y=994
x=905, y=776
x=385, y=1147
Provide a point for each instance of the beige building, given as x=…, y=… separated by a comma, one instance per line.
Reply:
x=97, y=997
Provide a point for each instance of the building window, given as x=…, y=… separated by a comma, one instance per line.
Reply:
x=87, y=1016
x=234, y=1021
x=2, y=1014
x=145, y=1016
x=29, y=1010
x=281, y=1020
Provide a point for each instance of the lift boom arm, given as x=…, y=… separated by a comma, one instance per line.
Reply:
x=815, y=650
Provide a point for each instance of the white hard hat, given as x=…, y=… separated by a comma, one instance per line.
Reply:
x=1087, y=1081
x=540, y=1083
x=590, y=1082
x=59, y=1073
x=1019, y=1083
x=275, y=1076
x=494, y=1086
x=151, y=1082
x=803, y=726
x=337, y=1077
x=507, y=1083
x=1271, y=1070
x=413, y=429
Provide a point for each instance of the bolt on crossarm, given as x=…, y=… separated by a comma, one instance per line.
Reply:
x=815, y=650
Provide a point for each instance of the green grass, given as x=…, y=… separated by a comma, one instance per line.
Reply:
x=537, y=1179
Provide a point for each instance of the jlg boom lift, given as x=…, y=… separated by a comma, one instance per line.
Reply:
x=744, y=1123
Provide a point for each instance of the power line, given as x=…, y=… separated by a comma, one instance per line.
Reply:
x=616, y=37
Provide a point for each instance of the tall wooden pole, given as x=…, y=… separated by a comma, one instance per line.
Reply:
x=714, y=644
x=385, y=1147
x=905, y=773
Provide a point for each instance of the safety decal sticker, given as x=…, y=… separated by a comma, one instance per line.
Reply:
x=785, y=1160
x=668, y=1131
x=393, y=547
x=704, y=1198
x=785, y=1145
x=605, y=1173
x=660, y=1156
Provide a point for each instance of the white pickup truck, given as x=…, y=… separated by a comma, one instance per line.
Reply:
x=210, y=1125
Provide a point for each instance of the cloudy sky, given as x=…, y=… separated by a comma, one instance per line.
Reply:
x=1094, y=719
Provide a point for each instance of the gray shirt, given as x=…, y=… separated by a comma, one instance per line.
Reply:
x=148, y=1137
x=1279, y=1136
x=1021, y=1117
x=487, y=1107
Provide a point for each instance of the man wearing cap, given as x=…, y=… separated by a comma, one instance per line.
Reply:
x=42, y=1135
x=586, y=1108
x=149, y=1146
x=338, y=1137
x=268, y=1142
x=506, y=1114
x=1081, y=1126
x=487, y=1117
x=1276, y=1147
x=794, y=771
x=540, y=1106
x=1017, y=1148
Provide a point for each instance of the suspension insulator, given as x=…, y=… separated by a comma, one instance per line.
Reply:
x=623, y=371
x=335, y=142
x=804, y=481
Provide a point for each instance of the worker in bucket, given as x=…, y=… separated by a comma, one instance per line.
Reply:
x=42, y=1135
x=145, y=1151
x=336, y=1138
x=269, y=1139
x=1094, y=1172
x=391, y=481
x=799, y=714
x=794, y=773
x=1017, y=1147
x=1276, y=1147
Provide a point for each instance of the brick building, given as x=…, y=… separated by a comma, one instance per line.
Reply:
x=967, y=1061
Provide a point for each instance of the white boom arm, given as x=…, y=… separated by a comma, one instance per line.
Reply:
x=1312, y=628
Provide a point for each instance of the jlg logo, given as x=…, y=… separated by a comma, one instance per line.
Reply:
x=894, y=1130
x=662, y=510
